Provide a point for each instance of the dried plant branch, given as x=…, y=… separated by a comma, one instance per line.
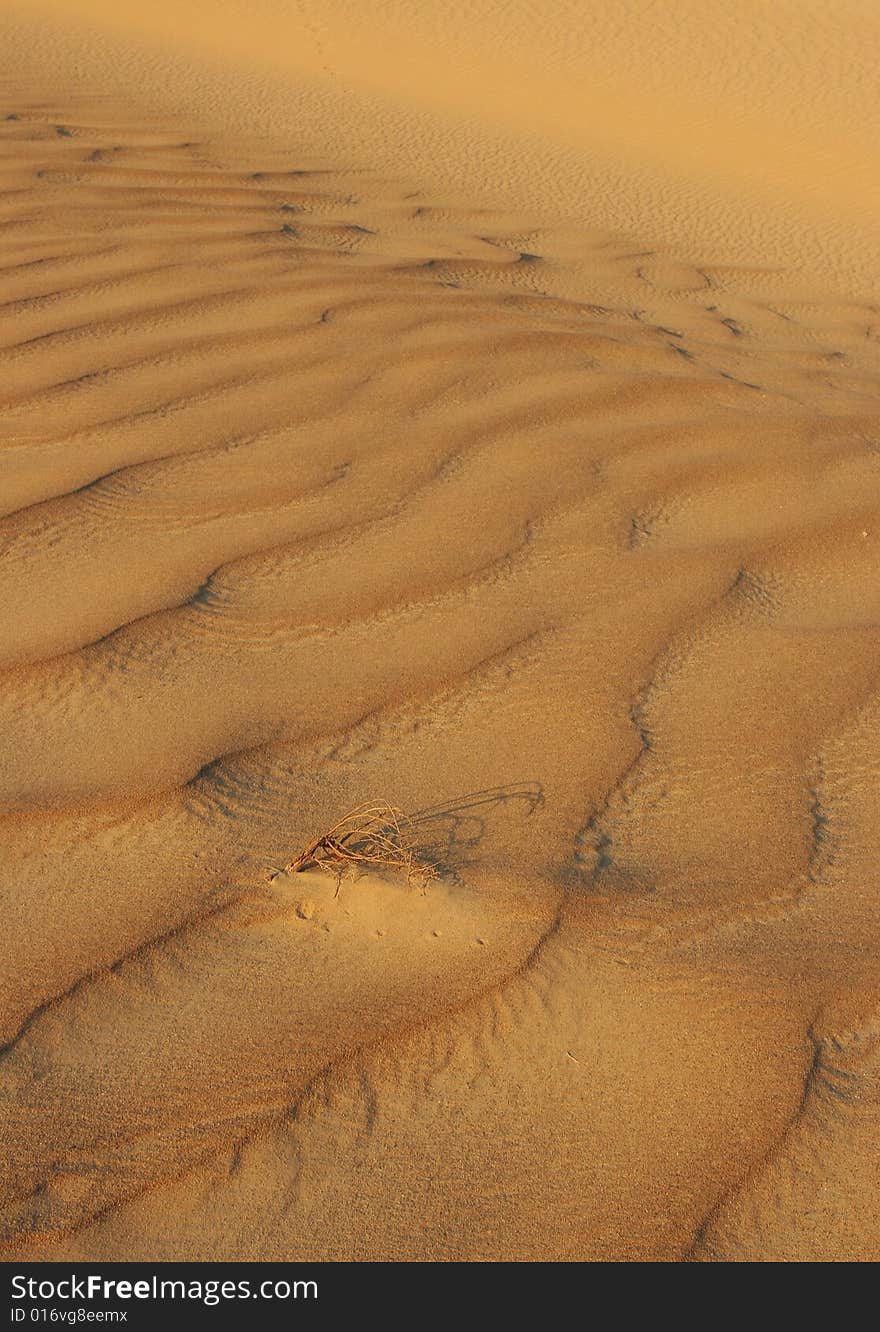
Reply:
x=369, y=835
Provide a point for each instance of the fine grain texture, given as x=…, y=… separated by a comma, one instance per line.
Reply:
x=469, y=411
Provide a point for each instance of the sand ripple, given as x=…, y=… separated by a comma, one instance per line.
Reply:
x=317, y=488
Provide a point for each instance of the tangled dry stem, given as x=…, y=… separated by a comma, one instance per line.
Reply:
x=375, y=835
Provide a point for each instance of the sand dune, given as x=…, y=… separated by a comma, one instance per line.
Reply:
x=324, y=479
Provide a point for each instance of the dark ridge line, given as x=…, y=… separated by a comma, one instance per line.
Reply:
x=136, y=180
x=14, y=223
x=194, y=348
x=800, y=890
x=300, y=1101
x=762, y=1163
x=109, y=326
x=99, y=284
x=639, y=721
x=193, y=400
x=60, y=259
x=225, y=898
x=374, y=717
x=172, y=405
x=352, y=530
x=233, y=441
x=94, y=187
x=136, y=803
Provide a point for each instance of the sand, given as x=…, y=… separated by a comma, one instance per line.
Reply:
x=474, y=408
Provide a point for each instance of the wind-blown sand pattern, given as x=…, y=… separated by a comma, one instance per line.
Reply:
x=324, y=482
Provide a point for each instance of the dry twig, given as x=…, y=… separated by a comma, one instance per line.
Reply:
x=371, y=834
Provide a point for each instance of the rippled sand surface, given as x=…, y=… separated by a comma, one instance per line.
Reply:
x=356, y=445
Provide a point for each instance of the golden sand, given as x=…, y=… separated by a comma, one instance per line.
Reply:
x=472, y=408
